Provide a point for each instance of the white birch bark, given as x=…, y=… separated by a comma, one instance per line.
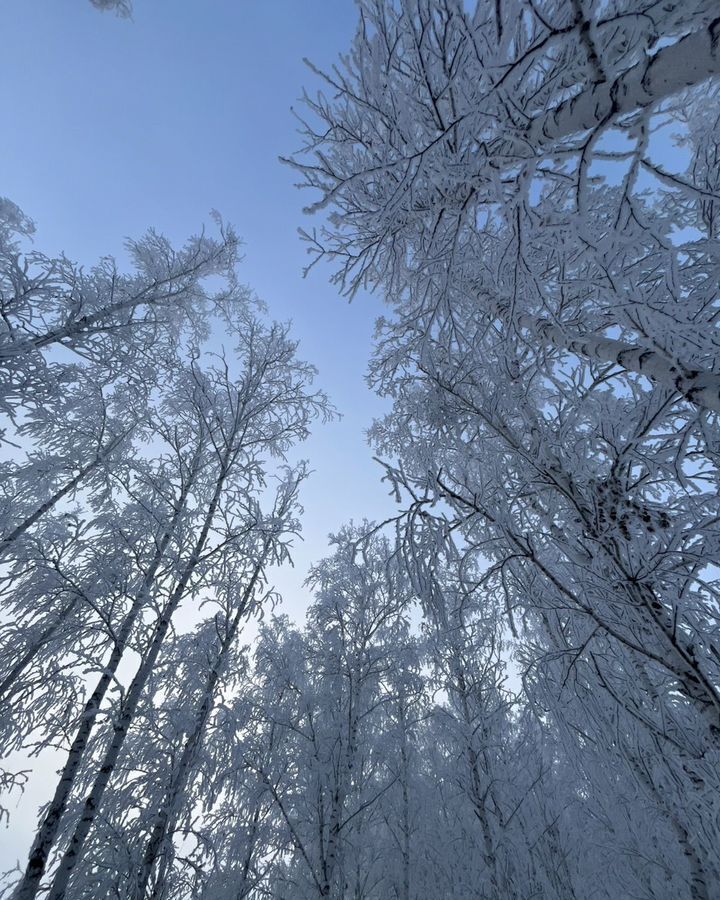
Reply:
x=173, y=798
x=44, y=840
x=122, y=725
x=699, y=388
x=690, y=61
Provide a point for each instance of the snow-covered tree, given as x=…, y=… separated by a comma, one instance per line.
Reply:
x=331, y=685
x=166, y=466
x=126, y=325
x=532, y=188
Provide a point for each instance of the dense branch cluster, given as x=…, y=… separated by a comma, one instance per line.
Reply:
x=533, y=188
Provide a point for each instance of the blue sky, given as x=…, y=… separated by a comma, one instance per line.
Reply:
x=111, y=126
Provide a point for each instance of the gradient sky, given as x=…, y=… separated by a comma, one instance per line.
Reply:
x=111, y=126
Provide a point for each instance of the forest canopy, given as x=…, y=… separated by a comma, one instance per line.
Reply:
x=510, y=688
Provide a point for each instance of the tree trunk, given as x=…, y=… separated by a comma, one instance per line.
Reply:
x=698, y=881
x=127, y=713
x=406, y=843
x=27, y=888
x=688, y=62
x=169, y=810
x=700, y=388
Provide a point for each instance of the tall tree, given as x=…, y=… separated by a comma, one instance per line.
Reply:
x=331, y=685
x=248, y=418
x=532, y=188
x=125, y=324
x=214, y=432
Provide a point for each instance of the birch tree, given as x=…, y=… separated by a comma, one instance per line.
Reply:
x=460, y=149
x=261, y=415
x=181, y=750
x=235, y=425
x=126, y=325
x=500, y=174
x=243, y=586
x=329, y=685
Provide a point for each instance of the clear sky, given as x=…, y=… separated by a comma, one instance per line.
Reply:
x=111, y=126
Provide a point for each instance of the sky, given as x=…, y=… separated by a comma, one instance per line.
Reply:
x=111, y=126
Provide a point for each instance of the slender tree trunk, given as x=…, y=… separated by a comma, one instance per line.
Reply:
x=681, y=658
x=698, y=881
x=476, y=792
x=337, y=806
x=557, y=866
x=159, y=890
x=127, y=713
x=700, y=388
x=245, y=885
x=333, y=841
x=27, y=888
x=170, y=807
x=406, y=843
